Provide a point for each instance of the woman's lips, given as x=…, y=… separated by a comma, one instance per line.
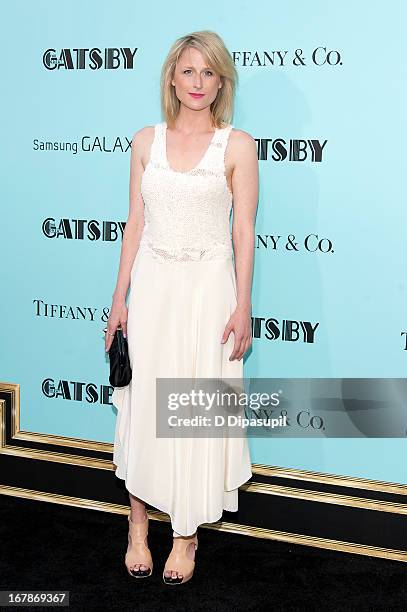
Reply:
x=195, y=95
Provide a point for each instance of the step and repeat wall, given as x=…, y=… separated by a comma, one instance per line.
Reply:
x=322, y=90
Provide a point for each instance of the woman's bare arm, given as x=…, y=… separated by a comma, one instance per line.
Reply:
x=245, y=184
x=245, y=188
x=131, y=235
x=135, y=220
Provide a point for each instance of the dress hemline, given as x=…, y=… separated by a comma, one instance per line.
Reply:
x=161, y=508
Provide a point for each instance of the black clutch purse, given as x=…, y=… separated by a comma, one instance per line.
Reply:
x=120, y=370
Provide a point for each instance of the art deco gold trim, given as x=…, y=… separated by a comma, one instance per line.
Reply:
x=326, y=498
x=331, y=479
x=270, y=534
x=18, y=434
x=105, y=447
x=2, y=424
x=264, y=470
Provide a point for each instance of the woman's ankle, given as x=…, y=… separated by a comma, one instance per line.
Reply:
x=178, y=535
x=138, y=516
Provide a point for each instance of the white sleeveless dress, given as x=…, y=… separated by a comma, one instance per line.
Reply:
x=182, y=293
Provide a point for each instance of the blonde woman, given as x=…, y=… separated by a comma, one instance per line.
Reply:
x=189, y=311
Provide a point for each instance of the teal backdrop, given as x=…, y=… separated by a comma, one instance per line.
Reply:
x=340, y=78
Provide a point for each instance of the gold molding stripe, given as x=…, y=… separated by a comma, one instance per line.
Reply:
x=106, y=464
x=326, y=498
x=252, y=487
x=270, y=534
x=31, y=436
x=2, y=424
x=331, y=479
x=39, y=455
x=315, y=542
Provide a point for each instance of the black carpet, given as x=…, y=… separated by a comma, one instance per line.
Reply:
x=52, y=547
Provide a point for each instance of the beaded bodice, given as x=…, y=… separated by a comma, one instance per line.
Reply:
x=187, y=214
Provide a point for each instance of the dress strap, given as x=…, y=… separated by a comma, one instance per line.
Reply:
x=215, y=160
x=157, y=153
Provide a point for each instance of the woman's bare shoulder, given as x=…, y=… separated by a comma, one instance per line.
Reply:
x=141, y=143
x=241, y=137
x=144, y=134
x=242, y=144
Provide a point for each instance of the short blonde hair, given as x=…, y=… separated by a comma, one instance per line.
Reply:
x=218, y=58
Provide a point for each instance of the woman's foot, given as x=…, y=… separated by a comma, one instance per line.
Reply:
x=138, y=557
x=180, y=564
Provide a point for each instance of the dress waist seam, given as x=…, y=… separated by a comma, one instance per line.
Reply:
x=165, y=252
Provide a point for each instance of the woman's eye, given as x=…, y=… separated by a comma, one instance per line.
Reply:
x=209, y=72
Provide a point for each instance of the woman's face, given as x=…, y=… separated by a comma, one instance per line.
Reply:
x=193, y=76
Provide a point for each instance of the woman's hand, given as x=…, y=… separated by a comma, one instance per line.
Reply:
x=240, y=324
x=117, y=317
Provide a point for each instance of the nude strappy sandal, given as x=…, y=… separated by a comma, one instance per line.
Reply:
x=178, y=561
x=138, y=551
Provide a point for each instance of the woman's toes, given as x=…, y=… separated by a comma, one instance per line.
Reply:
x=172, y=574
x=138, y=567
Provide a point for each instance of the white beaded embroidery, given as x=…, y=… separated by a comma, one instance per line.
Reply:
x=218, y=251
x=187, y=214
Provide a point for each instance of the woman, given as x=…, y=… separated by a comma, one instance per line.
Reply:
x=186, y=297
